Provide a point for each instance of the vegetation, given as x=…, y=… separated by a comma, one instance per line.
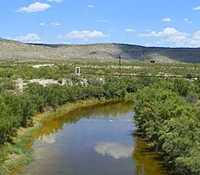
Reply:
x=11, y=50
x=167, y=113
x=17, y=110
x=90, y=68
x=167, y=110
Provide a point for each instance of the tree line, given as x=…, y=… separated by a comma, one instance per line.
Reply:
x=17, y=110
x=168, y=115
x=167, y=112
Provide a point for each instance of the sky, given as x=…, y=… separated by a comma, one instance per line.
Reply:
x=143, y=22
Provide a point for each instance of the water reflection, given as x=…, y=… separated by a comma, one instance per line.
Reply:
x=92, y=141
x=47, y=139
x=104, y=111
x=147, y=163
x=115, y=150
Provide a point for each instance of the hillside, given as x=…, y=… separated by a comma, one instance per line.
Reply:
x=12, y=50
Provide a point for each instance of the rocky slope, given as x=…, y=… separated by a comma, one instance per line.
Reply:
x=11, y=50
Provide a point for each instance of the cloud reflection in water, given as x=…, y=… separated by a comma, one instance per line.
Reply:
x=115, y=150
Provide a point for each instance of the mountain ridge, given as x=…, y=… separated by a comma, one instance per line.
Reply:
x=14, y=50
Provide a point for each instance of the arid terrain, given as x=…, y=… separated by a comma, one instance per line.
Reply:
x=12, y=50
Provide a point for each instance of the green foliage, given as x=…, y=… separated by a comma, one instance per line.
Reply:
x=167, y=111
x=182, y=87
x=171, y=123
x=17, y=110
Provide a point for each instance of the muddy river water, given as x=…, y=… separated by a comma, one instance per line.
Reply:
x=96, y=140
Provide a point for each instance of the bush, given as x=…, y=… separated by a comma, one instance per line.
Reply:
x=17, y=110
x=172, y=125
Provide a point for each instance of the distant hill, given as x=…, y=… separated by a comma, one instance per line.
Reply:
x=12, y=50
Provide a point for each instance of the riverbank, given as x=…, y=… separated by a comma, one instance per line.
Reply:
x=167, y=114
x=19, y=153
x=101, y=135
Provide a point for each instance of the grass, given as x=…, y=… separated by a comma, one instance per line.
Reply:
x=90, y=68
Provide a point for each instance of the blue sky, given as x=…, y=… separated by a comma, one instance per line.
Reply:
x=145, y=22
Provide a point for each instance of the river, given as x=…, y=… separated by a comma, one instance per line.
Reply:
x=96, y=140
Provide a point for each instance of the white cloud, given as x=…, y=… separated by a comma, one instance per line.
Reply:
x=42, y=24
x=55, y=24
x=168, y=33
x=129, y=30
x=167, y=19
x=197, y=8
x=29, y=38
x=174, y=37
x=103, y=21
x=57, y=1
x=91, y=6
x=85, y=35
x=114, y=150
x=195, y=41
x=187, y=20
x=35, y=7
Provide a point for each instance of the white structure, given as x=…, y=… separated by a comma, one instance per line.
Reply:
x=42, y=65
x=77, y=71
x=44, y=82
x=20, y=85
